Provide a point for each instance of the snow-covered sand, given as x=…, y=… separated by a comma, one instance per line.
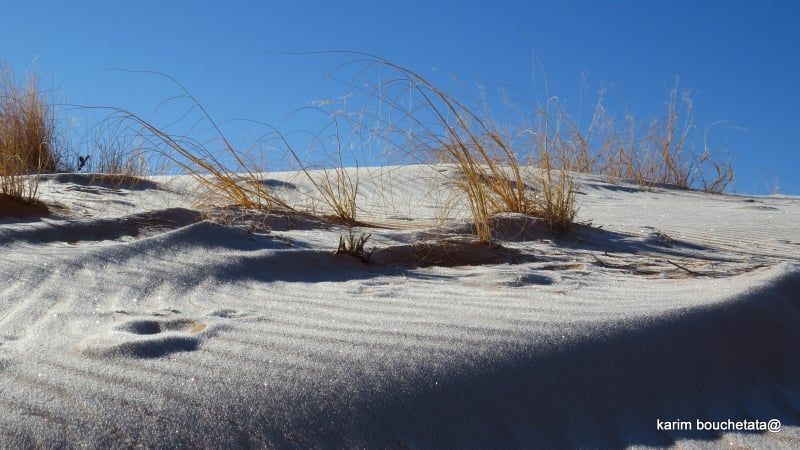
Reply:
x=125, y=319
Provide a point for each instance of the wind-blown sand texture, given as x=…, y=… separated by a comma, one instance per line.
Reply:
x=126, y=319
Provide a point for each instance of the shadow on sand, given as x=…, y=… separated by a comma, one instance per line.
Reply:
x=735, y=360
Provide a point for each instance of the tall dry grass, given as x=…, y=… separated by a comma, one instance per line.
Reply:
x=654, y=152
x=27, y=136
x=119, y=157
x=339, y=190
x=337, y=187
x=238, y=184
x=491, y=176
x=555, y=198
x=226, y=174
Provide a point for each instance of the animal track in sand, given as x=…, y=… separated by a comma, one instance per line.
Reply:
x=145, y=327
x=149, y=338
x=530, y=279
x=229, y=313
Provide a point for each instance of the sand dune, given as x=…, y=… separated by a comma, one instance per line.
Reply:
x=126, y=319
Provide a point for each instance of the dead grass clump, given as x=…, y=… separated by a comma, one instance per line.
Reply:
x=715, y=176
x=231, y=178
x=15, y=181
x=116, y=160
x=27, y=136
x=339, y=192
x=653, y=153
x=257, y=220
x=555, y=201
x=116, y=150
x=252, y=220
x=491, y=175
x=122, y=180
x=495, y=183
x=355, y=247
x=492, y=178
x=227, y=175
x=240, y=186
x=337, y=188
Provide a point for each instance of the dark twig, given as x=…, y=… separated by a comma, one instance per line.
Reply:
x=693, y=272
x=355, y=247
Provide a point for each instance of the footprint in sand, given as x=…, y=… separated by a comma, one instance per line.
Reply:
x=143, y=327
x=529, y=279
x=149, y=338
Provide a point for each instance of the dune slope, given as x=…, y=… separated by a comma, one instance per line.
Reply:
x=127, y=320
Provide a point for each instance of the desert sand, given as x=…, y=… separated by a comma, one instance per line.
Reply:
x=128, y=318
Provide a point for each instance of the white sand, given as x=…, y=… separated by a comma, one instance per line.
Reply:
x=126, y=322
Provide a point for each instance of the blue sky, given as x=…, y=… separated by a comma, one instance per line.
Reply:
x=739, y=59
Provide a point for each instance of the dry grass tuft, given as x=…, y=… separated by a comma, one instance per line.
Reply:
x=122, y=180
x=241, y=186
x=236, y=183
x=27, y=136
x=340, y=192
x=492, y=178
x=337, y=188
x=652, y=153
x=355, y=247
x=555, y=199
x=119, y=159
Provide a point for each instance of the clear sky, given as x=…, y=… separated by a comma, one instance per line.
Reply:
x=740, y=59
